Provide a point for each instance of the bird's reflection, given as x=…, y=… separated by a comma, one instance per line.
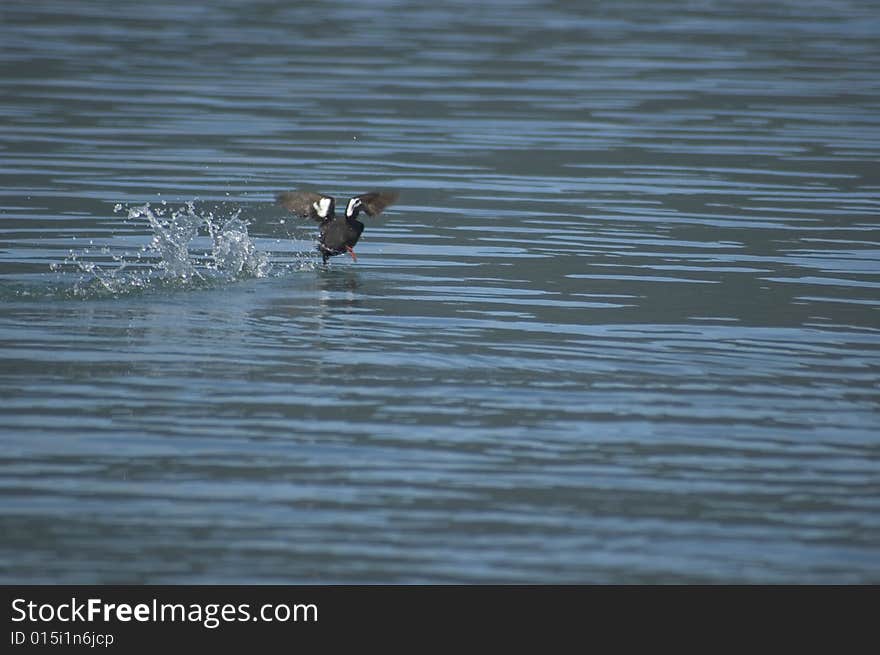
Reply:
x=337, y=292
x=338, y=280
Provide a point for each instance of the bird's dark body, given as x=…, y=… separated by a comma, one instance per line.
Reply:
x=338, y=234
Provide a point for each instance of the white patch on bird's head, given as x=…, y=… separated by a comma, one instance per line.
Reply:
x=322, y=206
x=353, y=204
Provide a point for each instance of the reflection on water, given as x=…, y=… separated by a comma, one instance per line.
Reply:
x=622, y=326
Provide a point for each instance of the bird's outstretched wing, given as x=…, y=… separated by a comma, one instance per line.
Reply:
x=308, y=204
x=375, y=202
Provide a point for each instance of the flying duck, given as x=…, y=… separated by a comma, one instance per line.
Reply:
x=339, y=234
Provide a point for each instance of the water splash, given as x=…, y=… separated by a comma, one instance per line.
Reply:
x=172, y=236
x=233, y=253
x=189, y=248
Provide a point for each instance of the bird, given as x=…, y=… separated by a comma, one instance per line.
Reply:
x=339, y=234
